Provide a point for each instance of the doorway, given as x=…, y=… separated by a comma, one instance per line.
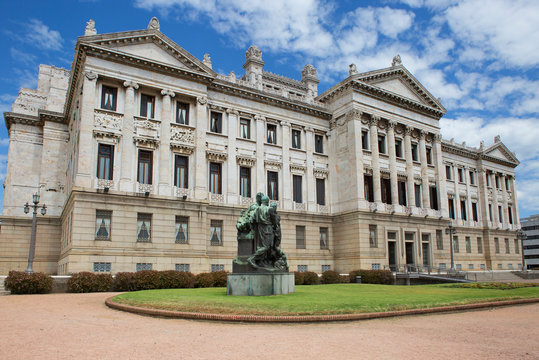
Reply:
x=410, y=253
x=392, y=255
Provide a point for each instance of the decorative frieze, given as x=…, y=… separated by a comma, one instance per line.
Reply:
x=297, y=169
x=145, y=142
x=182, y=134
x=144, y=188
x=104, y=183
x=216, y=156
x=245, y=161
x=320, y=173
x=218, y=198
x=107, y=125
x=273, y=165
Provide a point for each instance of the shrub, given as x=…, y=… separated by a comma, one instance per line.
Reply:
x=146, y=280
x=299, y=277
x=203, y=280
x=85, y=282
x=332, y=277
x=124, y=281
x=19, y=282
x=219, y=278
x=171, y=279
x=310, y=278
x=372, y=276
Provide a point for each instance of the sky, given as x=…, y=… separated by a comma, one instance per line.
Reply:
x=480, y=57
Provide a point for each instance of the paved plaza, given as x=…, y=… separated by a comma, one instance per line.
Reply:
x=80, y=326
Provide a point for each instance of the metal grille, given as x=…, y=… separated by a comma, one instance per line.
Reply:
x=144, y=266
x=183, y=267
x=326, y=268
x=375, y=266
x=102, y=267
x=303, y=268
x=217, y=267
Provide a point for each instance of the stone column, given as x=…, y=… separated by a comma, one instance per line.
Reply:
x=85, y=173
x=505, y=205
x=310, y=180
x=232, y=167
x=165, y=164
x=516, y=219
x=287, y=189
x=410, y=193
x=128, y=178
x=495, y=212
x=357, y=188
x=260, y=140
x=373, y=124
x=201, y=168
x=458, y=214
x=440, y=176
x=481, y=178
x=392, y=162
x=425, y=198
x=469, y=212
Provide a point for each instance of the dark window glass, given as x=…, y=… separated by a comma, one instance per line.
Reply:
x=147, y=106
x=182, y=234
x=487, y=176
x=433, y=198
x=319, y=144
x=463, y=213
x=365, y=140
x=321, y=191
x=369, y=191
x=429, y=155
x=385, y=185
x=245, y=181
x=398, y=148
x=145, y=167
x=472, y=178
x=108, y=98
x=474, y=211
x=490, y=211
x=182, y=113
x=461, y=175
x=451, y=204
x=510, y=213
x=296, y=139
x=448, y=172
x=500, y=214
x=216, y=120
x=381, y=144
x=415, y=156
x=296, y=185
x=401, y=186
x=417, y=190
x=144, y=227
x=272, y=134
x=181, y=171
x=215, y=178
x=105, y=160
x=300, y=237
x=273, y=185
x=245, y=128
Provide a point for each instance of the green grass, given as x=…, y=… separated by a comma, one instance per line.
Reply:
x=320, y=299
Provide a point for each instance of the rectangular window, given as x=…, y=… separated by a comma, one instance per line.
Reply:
x=147, y=106
x=300, y=237
x=245, y=128
x=303, y=268
x=365, y=139
x=517, y=248
x=385, y=187
x=468, y=245
x=472, y=178
x=102, y=224
x=479, y=245
x=215, y=178
x=182, y=113
x=490, y=211
x=500, y=267
x=497, y=245
x=429, y=155
x=451, y=208
x=183, y=267
x=321, y=191
x=487, y=176
x=401, y=187
x=108, y=97
x=507, y=184
x=273, y=185
x=417, y=190
x=382, y=144
x=458, y=267
x=369, y=191
x=144, y=227
x=143, y=266
x=217, y=267
x=510, y=213
x=105, y=161
x=102, y=267
x=182, y=230
x=398, y=148
x=463, y=213
x=245, y=181
x=145, y=166
x=474, y=211
x=415, y=156
x=448, y=172
x=216, y=122
x=439, y=240
x=373, y=241
x=456, y=247
x=296, y=189
x=375, y=266
x=482, y=267
x=324, y=236
x=181, y=171
x=461, y=175
x=326, y=268
x=433, y=198
x=510, y=266
x=500, y=213
x=318, y=144
x=216, y=232
x=507, y=251
x=296, y=139
x=272, y=134
x=442, y=266
x=497, y=180
x=470, y=266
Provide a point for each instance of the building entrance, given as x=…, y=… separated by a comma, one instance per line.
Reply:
x=392, y=255
x=410, y=253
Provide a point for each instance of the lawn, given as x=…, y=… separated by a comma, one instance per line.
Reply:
x=321, y=299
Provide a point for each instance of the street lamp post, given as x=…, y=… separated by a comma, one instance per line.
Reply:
x=522, y=236
x=451, y=230
x=35, y=200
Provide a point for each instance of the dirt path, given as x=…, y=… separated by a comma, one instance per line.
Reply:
x=80, y=326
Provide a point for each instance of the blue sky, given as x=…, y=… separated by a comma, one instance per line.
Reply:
x=480, y=57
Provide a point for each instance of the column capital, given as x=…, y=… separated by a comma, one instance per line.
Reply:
x=353, y=114
x=131, y=84
x=373, y=121
x=408, y=130
x=168, y=92
x=391, y=124
x=202, y=100
x=232, y=111
x=437, y=137
x=309, y=129
x=90, y=75
x=259, y=118
x=422, y=134
x=285, y=124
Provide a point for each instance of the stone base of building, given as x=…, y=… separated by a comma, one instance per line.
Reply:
x=260, y=284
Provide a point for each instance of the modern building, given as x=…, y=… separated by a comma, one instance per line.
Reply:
x=530, y=226
x=145, y=157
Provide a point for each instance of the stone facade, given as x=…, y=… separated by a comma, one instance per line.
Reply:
x=145, y=157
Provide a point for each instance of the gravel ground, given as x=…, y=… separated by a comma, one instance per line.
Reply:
x=80, y=326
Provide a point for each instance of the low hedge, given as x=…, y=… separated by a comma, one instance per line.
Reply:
x=85, y=282
x=219, y=278
x=204, y=280
x=373, y=276
x=332, y=277
x=152, y=279
x=310, y=278
x=19, y=282
x=299, y=277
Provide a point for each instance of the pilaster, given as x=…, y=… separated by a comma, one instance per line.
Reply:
x=201, y=178
x=410, y=193
x=260, y=140
x=375, y=158
x=232, y=167
x=165, y=164
x=127, y=178
x=505, y=205
x=392, y=162
x=311, y=187
x=425, y=198
x=287, y=189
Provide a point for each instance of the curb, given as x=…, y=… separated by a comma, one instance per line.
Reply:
x=309, y=318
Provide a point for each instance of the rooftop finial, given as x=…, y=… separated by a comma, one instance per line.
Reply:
x=396, y=60
x=154, y=24
x=90, y=28
x=352, y=70
x=497, y=139
x=207, y=60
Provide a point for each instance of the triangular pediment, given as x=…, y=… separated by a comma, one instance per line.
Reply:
x=150, y=45
x=398, y=86
x=499, y=151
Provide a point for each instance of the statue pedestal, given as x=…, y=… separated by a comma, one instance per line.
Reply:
x=260, y=284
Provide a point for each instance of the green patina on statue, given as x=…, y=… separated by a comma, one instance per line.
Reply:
x=259, y=239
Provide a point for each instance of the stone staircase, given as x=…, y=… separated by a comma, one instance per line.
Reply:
x=3, y=291
x=505, y=276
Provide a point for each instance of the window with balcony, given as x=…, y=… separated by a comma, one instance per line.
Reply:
x=472, y=178
x=451, y=208
x=365, y=139
x=245, y=181
x=382, y=144
x=463, y=213
x=369, y=191
x=181, y=171
x=182, y=113
x=105, y=161
x=321, y=191
x=433, y=195
x=296, y=188
x=109, y=96
x=147, y=106
x=417, y=190
x=215, y=178
x=415, y=153
x=145, y=166
x=429, y=155
x=401, y=187
x=474, y=211
x=398, y=148
x=385, y=187
x=461, y=175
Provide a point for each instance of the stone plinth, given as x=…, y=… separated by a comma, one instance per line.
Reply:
x=260, y=284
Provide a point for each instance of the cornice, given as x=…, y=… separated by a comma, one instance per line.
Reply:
x=266, y=75
x=475, y=155
x=14, y=118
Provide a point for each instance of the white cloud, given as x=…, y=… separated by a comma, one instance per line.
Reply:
x=4, y=142
x=42, y=36
x=22, y=57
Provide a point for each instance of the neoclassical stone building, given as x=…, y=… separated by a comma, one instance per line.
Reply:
x=145, y=157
